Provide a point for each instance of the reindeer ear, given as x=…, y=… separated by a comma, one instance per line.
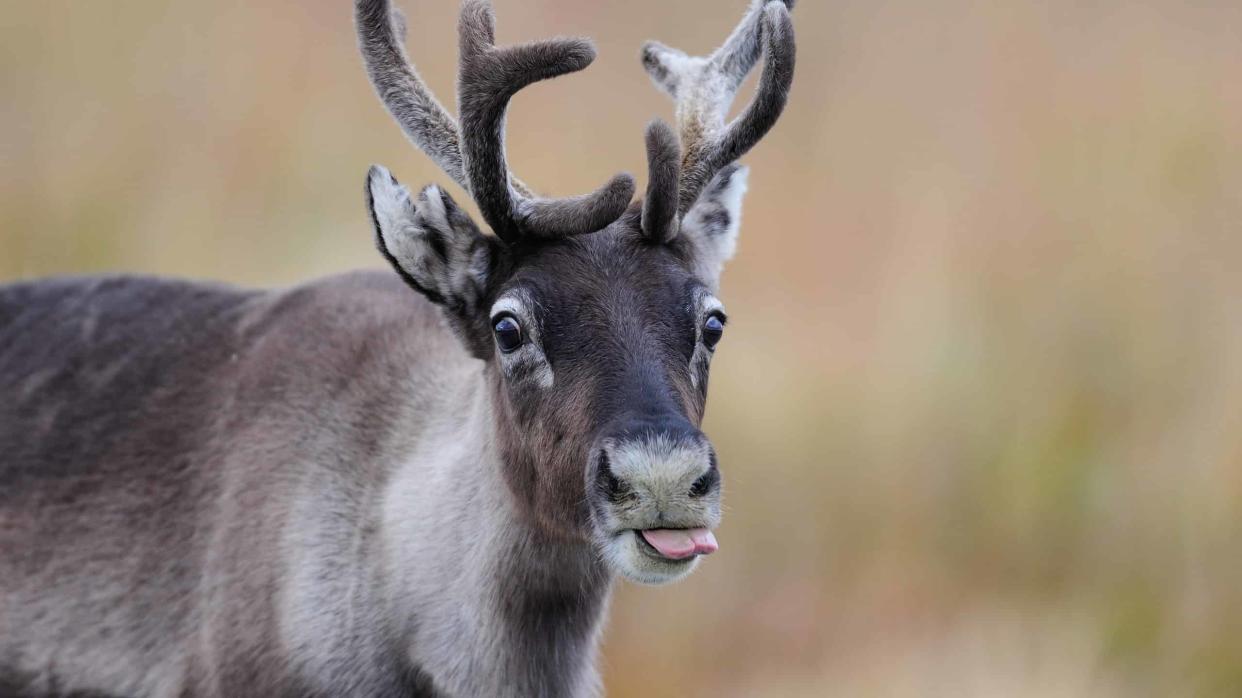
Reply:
x=713, y=221
x=435, y=247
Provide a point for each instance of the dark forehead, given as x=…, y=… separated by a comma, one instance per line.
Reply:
x=612, y=266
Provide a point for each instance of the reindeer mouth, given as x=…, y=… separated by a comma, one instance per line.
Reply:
x=676, y=544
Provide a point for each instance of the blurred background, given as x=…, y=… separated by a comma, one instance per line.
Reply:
x=980, y=405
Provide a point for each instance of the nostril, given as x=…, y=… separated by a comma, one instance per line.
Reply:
x=706, y=482
x=614, y=488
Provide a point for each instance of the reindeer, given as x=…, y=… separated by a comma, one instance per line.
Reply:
x=348, y=489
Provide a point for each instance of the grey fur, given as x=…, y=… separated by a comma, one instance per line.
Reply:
x=436, y=249
x=704, y=87
x=343, y=489
x=236, y=493
x=473, y=153
x=208, y=491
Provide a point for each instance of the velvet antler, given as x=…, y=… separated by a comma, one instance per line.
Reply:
x=703, y=88
x=473, y=153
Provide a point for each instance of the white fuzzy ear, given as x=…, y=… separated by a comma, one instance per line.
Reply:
x=714, y=220
x=431, y=243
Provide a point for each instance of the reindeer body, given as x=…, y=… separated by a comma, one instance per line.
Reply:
x=217, y=519
x=420, y=484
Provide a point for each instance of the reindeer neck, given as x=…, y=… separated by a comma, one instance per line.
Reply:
x=488, y=603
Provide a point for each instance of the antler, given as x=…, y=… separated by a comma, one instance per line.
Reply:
x=703, y=88
x=473, y=153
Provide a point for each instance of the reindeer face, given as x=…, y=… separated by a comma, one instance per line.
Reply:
x=603, y=344
x=598, y=348
x=596, y=318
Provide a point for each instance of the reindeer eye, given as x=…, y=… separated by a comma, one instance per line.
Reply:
x=713, y=329
x=508, y=334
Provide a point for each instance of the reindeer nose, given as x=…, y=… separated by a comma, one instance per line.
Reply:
x=663, y=460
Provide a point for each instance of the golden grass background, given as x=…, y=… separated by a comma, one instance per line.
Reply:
x=980, y=405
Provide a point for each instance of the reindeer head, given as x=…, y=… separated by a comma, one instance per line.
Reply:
x=596, y=318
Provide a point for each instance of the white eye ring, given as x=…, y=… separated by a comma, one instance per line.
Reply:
x=516, y=334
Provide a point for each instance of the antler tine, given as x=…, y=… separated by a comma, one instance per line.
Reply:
x=704, y=87
x=660, y=218
x=473, y=153
x=488, y=79
x=381, y=34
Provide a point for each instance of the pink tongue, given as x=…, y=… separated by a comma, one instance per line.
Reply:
x=681, y=543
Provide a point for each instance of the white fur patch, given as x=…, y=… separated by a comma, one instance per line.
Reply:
x=714, y=222
x=708, y=304
x=431, y=206
x=409, y=229
x=392, y=204
x=731, y=199
x=529, y=358
x=662, y=468
x=396, y=216
x=511, y=304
